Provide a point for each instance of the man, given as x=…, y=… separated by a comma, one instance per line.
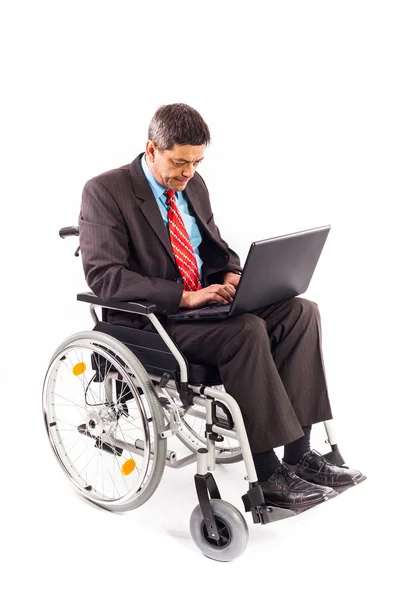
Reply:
x=147, y=232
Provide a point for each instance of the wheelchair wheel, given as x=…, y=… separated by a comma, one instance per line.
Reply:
x=192, y=436
x=232, y=529
x=104, y=432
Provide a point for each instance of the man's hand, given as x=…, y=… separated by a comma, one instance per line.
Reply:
x=218, y=292
x=232, y=278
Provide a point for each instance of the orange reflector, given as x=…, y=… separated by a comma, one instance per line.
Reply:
x=128, y=466
x=79, y=368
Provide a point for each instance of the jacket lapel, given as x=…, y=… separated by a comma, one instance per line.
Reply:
x=149, y=206
x=152, y=213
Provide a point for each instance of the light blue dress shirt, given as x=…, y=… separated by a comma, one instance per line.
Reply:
x=183, y=207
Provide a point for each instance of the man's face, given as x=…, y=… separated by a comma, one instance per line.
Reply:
x=174, y=168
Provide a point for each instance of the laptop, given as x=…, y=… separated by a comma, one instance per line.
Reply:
x=276, y=269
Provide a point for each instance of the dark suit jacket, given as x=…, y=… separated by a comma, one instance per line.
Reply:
x=125, y=246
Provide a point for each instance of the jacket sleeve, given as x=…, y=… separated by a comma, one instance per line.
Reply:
x=104, y=243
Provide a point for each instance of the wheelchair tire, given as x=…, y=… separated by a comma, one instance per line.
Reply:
x=87, y=415
x=232, y=528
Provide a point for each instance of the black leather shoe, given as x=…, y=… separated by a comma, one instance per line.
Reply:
x=315, y=468
x=287, y=490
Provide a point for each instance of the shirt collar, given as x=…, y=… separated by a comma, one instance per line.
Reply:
x=157, y=189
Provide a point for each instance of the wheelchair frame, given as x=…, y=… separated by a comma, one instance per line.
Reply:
x=210, y=398
x=162, y=361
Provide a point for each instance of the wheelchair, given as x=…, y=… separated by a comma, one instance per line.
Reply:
x=114, y=395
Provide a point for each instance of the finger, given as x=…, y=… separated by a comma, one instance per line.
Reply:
x=223, y=296
x=230, y=288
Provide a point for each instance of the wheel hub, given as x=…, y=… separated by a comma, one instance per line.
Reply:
x=94, y=423
x=224, y=534
x=99, y=422
x=109, y=419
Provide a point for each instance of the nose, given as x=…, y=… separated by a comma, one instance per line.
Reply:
x=188, y=171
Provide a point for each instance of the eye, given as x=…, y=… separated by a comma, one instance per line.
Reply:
x=196, y=164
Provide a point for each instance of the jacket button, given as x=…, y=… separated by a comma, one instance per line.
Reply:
x=226, y=255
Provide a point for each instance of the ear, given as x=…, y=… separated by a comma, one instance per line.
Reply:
x=150, y=150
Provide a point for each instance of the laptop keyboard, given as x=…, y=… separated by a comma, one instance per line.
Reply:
x=211, y=309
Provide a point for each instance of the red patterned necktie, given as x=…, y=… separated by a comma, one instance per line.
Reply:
x=182, y=248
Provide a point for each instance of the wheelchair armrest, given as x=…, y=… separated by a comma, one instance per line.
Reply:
x=142, y=307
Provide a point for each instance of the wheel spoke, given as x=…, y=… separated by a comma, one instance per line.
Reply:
x=99, y=385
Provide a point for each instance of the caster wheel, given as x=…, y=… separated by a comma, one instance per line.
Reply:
x=232, y=529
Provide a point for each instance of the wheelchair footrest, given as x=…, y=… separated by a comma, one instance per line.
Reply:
x=253, y=502
x=270, y=514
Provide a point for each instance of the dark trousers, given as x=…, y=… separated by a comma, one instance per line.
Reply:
x=270, y=361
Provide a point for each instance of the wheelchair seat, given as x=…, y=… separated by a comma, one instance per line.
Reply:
x=156, y=357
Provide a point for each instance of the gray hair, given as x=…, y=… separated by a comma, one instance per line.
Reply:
x=178, y=124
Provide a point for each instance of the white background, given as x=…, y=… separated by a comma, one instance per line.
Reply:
x=302, y=100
